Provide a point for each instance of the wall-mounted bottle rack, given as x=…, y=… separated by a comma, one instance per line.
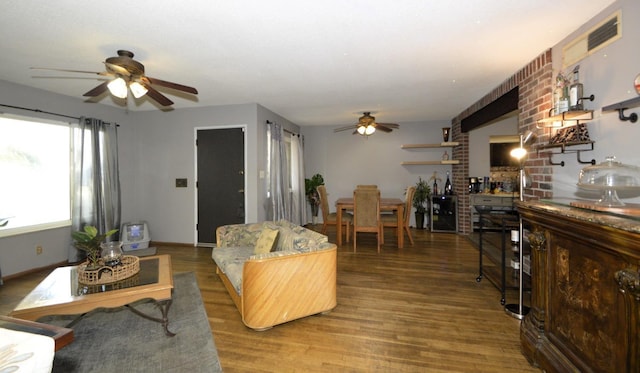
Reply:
x=563, y=150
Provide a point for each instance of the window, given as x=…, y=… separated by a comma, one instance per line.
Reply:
x=35, y=168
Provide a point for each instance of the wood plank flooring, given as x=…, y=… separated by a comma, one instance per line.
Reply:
x=418, y=309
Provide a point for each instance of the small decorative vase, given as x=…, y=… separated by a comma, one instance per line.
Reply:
x=445, y=133
x=111, y=253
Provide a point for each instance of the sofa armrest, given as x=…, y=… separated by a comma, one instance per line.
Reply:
x=279, y=289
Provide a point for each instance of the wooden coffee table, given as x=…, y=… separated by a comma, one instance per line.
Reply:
x=61, y=294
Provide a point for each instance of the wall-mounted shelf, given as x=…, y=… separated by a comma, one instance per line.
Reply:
x=426, y=146
x=413, y=163
x=620, y=107
x=450, y=144
x=568, y=118
x=588, y=146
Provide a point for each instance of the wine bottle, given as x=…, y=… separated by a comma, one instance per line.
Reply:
x=448, y=188
x=435, y=187
x=575, y=92
x=561, y=95
x=564, y=101
x=557, y=94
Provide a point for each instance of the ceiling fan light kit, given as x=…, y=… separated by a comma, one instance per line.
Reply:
x=128, y=74
x=367, y=126
x=118, y=87
x=366, y=130
x=138, y=90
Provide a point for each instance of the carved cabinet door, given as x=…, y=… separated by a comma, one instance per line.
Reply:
x=585, y=313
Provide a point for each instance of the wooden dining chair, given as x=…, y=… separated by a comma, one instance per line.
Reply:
x=366, y=214
x=331, y=218
x=369, y=186
x=391, y=220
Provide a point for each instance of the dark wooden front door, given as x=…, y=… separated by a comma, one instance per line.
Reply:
x=221, y=179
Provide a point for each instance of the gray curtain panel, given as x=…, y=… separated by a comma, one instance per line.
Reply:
x=96, y=182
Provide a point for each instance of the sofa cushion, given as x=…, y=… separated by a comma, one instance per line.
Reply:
x=312, y=247
x=296, y=237
x=266, y=241
x=238, y=235
x=230, y=260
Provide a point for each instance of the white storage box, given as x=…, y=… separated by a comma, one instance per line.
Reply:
x=135, y=236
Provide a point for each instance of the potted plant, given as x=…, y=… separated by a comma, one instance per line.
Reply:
x=311, y=191
x=89, y=240
x=420, y=198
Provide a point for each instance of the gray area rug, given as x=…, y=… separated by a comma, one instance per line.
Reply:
x=118, y=340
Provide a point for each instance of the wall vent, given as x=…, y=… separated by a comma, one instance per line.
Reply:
x=603, y=34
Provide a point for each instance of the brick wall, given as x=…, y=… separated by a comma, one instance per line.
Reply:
x=534, y=82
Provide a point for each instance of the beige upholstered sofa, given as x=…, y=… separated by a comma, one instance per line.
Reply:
x=297, y=278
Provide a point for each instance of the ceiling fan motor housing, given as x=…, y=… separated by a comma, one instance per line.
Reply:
x=366, y=119
x=126, y=61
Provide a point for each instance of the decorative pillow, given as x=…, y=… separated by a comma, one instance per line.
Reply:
x=285, y=239
x=266, y=241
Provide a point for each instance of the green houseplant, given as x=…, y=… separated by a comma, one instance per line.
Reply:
x=420, y=198
x=311, y=191
x=89, y=240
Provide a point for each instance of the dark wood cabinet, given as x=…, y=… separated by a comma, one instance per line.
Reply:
x=585, y=290
x=444, y=217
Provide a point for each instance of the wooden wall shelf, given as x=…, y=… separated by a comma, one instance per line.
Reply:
x=627, y=104
x=409, y=163
x=451, y=144
x=565, y=145
x=427, y=146
x=572, y=116
x=620, y=107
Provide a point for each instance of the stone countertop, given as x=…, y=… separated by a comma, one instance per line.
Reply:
x=499, y=194
x=563, y=207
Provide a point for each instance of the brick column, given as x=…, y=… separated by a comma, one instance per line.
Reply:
x=535, y=84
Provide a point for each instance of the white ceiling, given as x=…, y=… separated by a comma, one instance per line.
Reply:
x=313, y=62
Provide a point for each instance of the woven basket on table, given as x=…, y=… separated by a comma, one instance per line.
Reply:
x=106, y=274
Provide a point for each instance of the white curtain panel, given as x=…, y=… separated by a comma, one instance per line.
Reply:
x=298, y=200
x=285, y=176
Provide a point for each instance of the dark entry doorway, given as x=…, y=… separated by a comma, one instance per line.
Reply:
x=221, y=180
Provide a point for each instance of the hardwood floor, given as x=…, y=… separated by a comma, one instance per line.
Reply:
x=418, y=309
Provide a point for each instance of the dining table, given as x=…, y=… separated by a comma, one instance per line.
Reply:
x=386, y=204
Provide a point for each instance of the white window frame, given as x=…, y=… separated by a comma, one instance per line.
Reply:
x=12, y=231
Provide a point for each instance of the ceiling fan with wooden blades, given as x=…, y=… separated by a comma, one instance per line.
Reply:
x=126, y=74
x=367, y=125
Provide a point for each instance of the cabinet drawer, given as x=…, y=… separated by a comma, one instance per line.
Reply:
x=491, y=201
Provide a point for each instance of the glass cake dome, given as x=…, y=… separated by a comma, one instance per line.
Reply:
x=609, y=177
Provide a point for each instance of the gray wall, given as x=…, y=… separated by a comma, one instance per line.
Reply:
x=608, y=74
x=164, y=149
x=17, y=253
x=346, y=160
x=157, y=147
